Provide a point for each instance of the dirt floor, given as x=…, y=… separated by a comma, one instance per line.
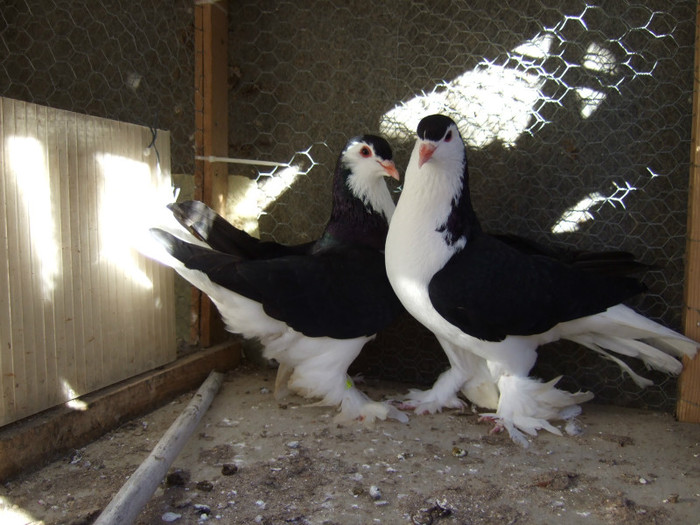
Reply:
x=254, y=460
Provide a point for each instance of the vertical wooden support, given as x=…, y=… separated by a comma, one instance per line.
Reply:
x=211, y=137
x=688, y=408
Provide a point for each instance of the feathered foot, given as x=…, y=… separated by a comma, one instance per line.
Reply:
x=353, y=405
x=526, y=405
x=443, y=394
x=357, y=406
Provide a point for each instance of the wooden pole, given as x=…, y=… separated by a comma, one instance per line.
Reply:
x=688, y=407
x=211, y=139
x=135, y=493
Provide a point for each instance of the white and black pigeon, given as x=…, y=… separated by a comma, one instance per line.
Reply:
x=312, y=311
x=491, y=305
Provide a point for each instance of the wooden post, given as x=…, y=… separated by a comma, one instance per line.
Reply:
x=135, y=493
x=211, y=138
x=688, y=408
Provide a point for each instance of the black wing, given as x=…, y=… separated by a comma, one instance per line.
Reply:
x=612, y=262
x=491, y=290
x=341, y=293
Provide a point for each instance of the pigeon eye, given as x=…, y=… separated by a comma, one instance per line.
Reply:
x=448, y=137
x=365, y=152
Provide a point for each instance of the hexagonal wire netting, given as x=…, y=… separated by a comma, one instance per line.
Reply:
x=577, y=116
x=121, y=60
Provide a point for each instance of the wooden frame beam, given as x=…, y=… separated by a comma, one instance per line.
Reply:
x=211, y=139
x=688, y=408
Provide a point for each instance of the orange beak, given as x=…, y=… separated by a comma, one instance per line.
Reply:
x=390, y=169
x=425, y=153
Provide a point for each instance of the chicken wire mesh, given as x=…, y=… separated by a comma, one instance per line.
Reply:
x=129, y=61
x=577, y=116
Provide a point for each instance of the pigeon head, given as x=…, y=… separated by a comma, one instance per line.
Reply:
x=362, y=204
x=360, y=172
x=439, y=137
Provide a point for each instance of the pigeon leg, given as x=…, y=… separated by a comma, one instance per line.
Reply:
x=319, y=370
x=442, y=395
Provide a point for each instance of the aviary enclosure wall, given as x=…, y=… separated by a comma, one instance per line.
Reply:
x=577, y=115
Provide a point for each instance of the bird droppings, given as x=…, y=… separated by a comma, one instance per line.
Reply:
x=177, y=478
x=417, y=477
x=229, y=469
x=556, y=480
x=623, y=441
x=429, y=515
x=458, y=452
x=205, y=486
x=202, y=509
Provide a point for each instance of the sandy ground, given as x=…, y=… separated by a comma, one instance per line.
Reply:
x=254, y=460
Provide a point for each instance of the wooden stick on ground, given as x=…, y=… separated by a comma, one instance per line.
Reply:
x=136, y=492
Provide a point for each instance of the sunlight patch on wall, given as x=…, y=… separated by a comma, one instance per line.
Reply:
x=129, y=204
x=490, y=103
x=70, y=395
x=248, y=198
x=573, y=217
x=501, y=99
x=13, y=515
x=28, y=167
x=581, y=212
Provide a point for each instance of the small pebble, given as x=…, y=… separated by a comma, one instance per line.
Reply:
x=229, y=469
x=171, y=516
x=643, y=481
x=673, y=498
x=375, y=493
x=292, y=444
x=202, y=509
x=205, y=486
x=458, y=452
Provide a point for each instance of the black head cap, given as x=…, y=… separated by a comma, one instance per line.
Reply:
x=434, y=127
x=380, y=145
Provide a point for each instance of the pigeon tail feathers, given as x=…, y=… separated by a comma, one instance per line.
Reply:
x=625, y=332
